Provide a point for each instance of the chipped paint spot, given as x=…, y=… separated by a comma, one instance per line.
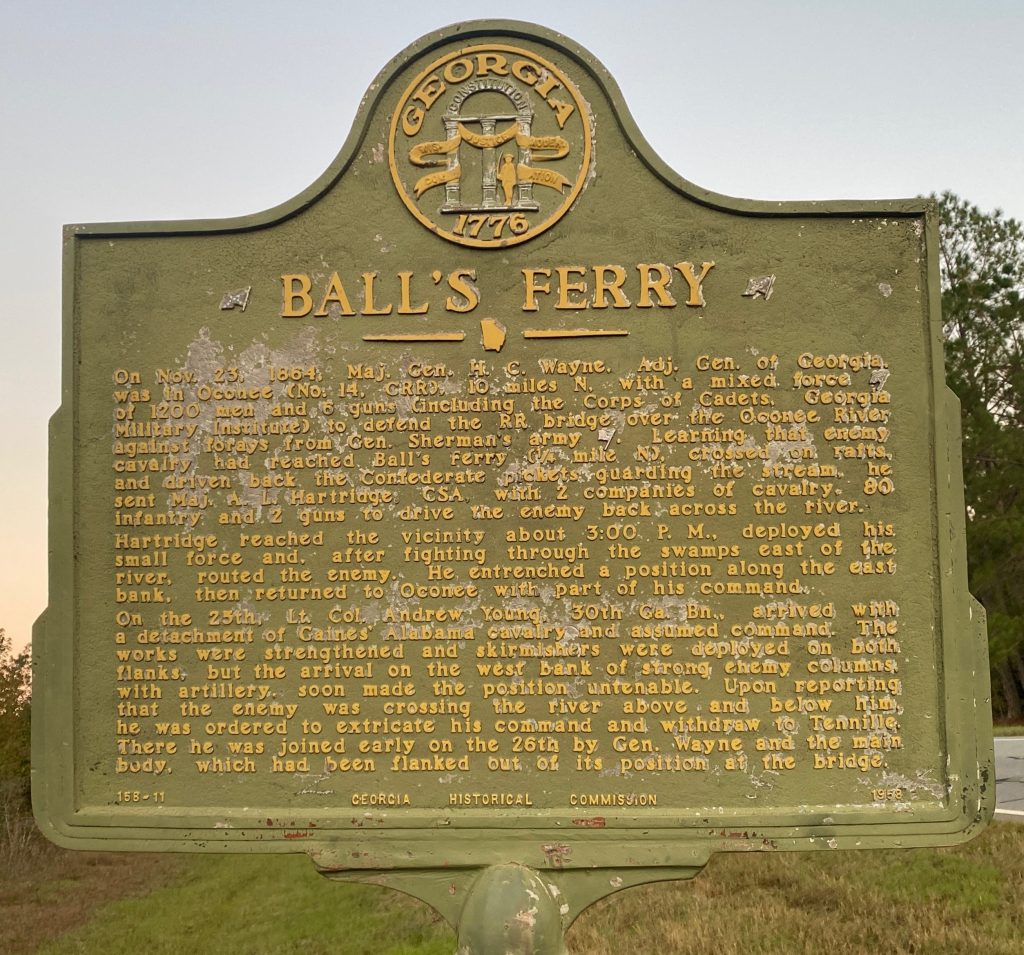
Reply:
x=759, y=286
x=557, y=854
x=878, y=378
x=527, y=917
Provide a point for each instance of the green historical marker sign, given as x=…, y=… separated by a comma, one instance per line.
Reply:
x=505, y=500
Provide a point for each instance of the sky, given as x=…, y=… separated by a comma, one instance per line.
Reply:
x=116, y=111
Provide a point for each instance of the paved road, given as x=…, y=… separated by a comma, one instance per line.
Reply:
x=1010, y=778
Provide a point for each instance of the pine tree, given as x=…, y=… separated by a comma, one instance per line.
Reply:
x=983, y=321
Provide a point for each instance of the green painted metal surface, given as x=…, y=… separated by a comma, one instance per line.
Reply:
x=612, y=522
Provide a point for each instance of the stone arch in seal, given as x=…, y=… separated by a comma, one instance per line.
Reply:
x=522, y=192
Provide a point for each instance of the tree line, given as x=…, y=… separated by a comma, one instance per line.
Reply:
x=15, y=705
x=982, y=263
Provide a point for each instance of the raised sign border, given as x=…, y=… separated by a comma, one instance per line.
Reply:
x=344, y=839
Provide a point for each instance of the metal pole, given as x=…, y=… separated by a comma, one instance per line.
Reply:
x=510, y=911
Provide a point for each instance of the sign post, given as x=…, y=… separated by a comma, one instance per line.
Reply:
x=507, y=520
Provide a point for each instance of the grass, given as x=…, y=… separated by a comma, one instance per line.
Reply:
x=260, y=905
x=966, y=900
x=950, y=901
x=46, y=892
x=1009, y=730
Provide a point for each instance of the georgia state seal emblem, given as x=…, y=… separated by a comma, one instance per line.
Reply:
x=490, y=145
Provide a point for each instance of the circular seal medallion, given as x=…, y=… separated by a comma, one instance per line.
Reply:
x=490, y=145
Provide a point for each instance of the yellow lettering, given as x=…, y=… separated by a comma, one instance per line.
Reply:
x=659, y=285
x=293, y=295
x=335, y=293
x=695, y=282
x=532, y=288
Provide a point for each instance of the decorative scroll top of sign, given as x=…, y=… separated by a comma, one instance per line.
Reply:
x=490, y=145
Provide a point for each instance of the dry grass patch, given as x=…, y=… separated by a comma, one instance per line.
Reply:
x=46, y=891
x=964, y=900
x=64, y=890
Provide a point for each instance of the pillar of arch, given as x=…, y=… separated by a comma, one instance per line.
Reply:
x=488, y=124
